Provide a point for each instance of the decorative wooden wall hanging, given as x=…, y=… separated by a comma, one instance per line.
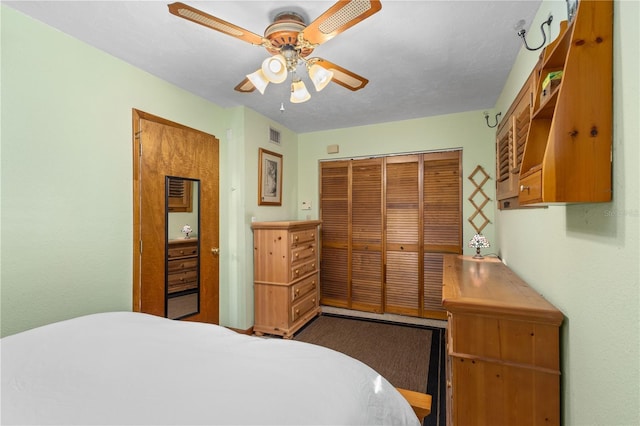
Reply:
x=478, y=219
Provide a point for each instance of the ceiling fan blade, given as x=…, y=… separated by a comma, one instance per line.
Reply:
x=245, y=86
x=341, y=76
x=338, y=18
x=192, y=14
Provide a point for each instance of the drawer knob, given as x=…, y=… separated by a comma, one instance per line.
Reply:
x=297, y=291
x=524, y=188
x=297, y=254
x=295, y=238
x=297, y=272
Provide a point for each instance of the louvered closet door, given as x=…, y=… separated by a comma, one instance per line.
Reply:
x=366, y=235
x=386, y=223
x=403, y=218
x=442, y=225
x=334, y=212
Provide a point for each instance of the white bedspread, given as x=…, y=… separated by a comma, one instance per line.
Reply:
x=132, y=368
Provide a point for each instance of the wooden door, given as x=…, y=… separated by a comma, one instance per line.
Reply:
x=403, y=235
x=335, y=196
x=386, y=223
x=163, y=150
x=442, y=223
x=365, y=245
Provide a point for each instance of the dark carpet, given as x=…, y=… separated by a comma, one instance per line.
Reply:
x=408, y=356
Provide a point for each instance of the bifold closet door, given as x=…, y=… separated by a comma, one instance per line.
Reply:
x=442, y=224
x=386, y=223
x=366, y=235
x=335, y=192
x=403, y=235
x=351, y=256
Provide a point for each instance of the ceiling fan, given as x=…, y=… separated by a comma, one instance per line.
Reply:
x=290, y=41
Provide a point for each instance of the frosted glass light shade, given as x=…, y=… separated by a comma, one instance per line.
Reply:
x=299, y=92
x=259, y=80
x=274, y=68
x=320, y=76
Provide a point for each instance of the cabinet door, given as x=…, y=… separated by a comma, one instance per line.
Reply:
x=403, y=218
x=511, y=138
x=366, y=235
x=334, y=212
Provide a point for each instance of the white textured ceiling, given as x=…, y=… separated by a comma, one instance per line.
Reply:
x=422, y=58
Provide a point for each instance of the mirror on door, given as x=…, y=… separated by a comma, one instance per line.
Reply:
x=182, y=269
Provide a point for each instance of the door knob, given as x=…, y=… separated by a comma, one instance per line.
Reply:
x=215, y=251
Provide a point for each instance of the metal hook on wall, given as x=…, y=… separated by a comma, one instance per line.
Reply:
x=486, y=118
x=519, y=27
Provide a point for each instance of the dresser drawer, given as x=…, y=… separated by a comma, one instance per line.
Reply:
x=303, y=269
x=304, y=236
x=180, y=281
x=304, y=287
x=177, y=265
x=183, y=250
x=301, y=253
x=300, y=309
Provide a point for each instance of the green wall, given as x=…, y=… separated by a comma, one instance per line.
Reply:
x=66, y=198
x=67, y=171
x=67, y=177
x=584, y=258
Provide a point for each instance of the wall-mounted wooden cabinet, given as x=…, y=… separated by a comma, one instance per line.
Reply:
x=567, y=157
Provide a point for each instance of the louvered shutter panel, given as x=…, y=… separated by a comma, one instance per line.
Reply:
x=366, y=235
x=334, y=212
x=179, y=197
x=442, y=221
x=402, y=290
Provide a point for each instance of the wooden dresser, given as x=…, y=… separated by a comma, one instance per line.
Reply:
x=503, y=347
x=286, y=279
x=182, y=278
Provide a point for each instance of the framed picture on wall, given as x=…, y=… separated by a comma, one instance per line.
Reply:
x=269, y=178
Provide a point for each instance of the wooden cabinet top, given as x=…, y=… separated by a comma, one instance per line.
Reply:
x=488, y=287
x=286, y=224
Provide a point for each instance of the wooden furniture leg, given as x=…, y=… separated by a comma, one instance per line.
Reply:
x=420, y=402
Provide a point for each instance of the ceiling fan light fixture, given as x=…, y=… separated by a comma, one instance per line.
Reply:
x=274, y=68
x=320, y=76
x=259, y=80
x=299, y=92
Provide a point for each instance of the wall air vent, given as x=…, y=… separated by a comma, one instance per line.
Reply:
x=274, y=136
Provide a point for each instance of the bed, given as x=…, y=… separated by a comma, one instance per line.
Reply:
x=132, y=368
